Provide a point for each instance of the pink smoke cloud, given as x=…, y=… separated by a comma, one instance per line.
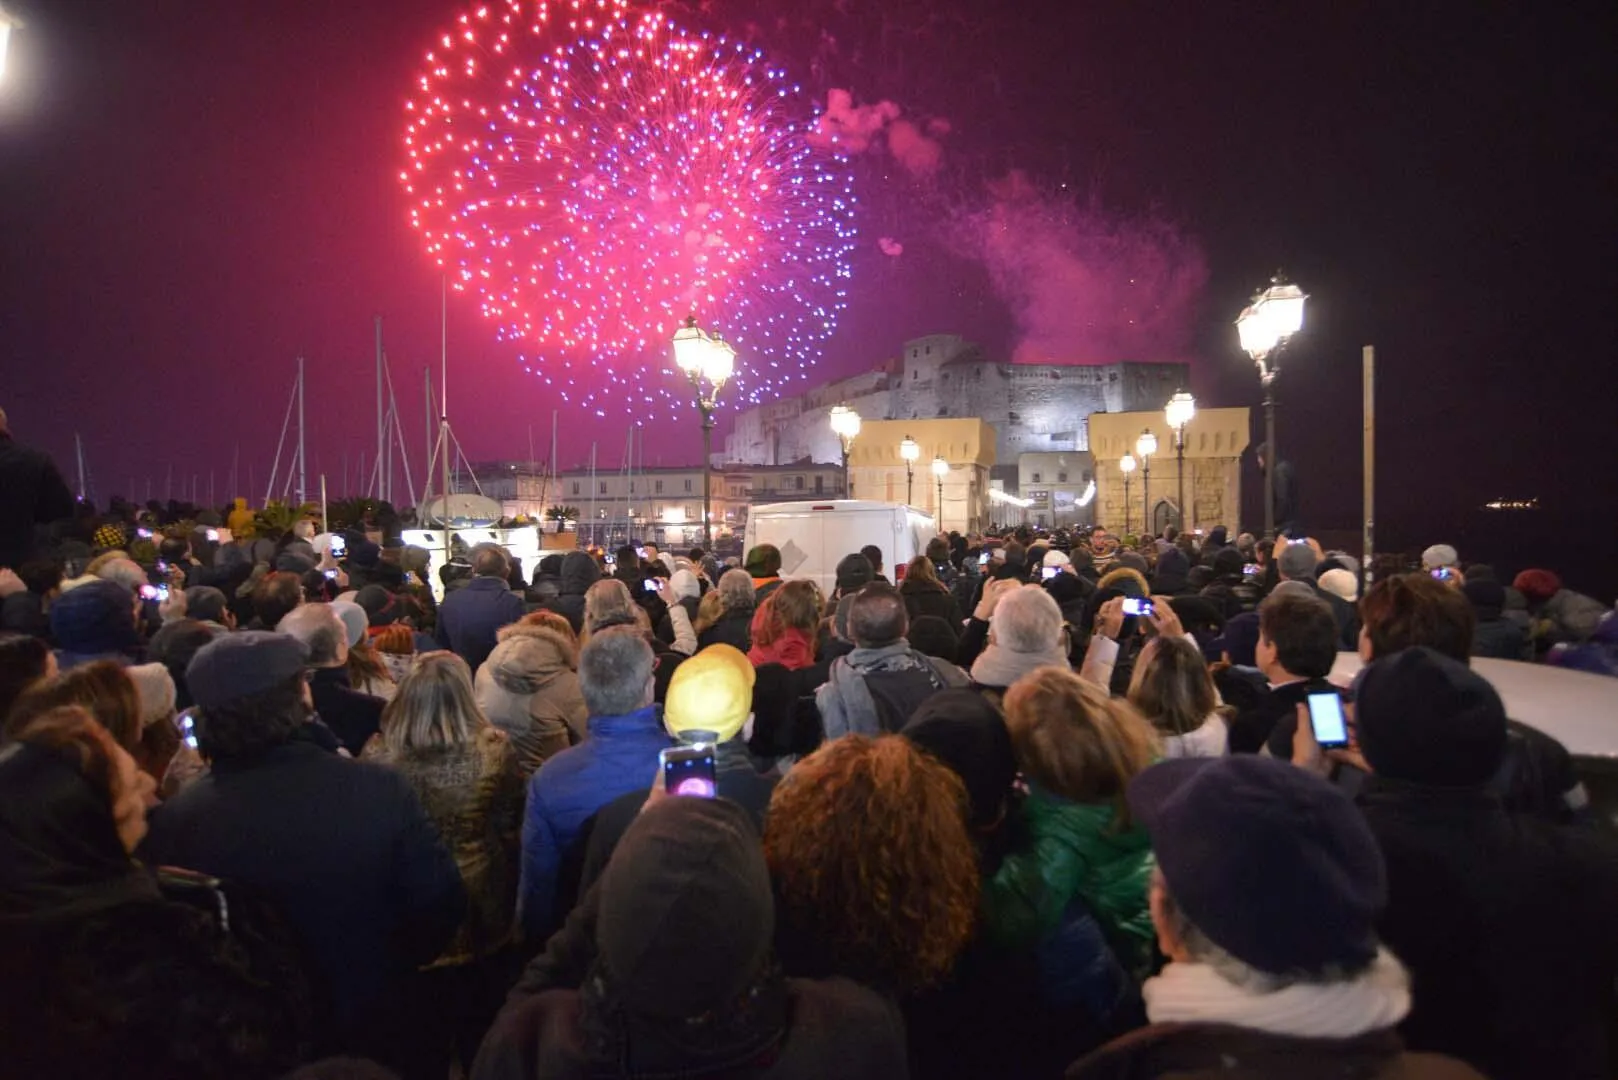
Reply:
x=1084, y=285
x=856, y=129
x=890, y=246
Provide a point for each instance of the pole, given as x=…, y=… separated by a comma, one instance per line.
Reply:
x=592, y=494
x=1272, y=459
x=325, y=522
x=1179, y=456
x=303, y=486
x=380, y=434
x=1146, y=494
x=848, y=482
x=910, y=483
x=707, y=479
x=1368, y=359
x=78, y=452
x=940, y=504
x=1126, y=504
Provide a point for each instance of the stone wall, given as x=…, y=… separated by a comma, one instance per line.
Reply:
x=1214, y=442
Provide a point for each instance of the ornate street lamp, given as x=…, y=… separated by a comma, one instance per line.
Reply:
x=1178, y=412
x=709, y=363
x=940, y=470
x=1126, y=465
x=1145, y=447
x=1265, y=327
x=845, y=422
x=910, y=452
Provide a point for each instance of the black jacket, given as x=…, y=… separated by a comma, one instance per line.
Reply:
x=342, y=849
x=354, y=717
x=1263, y=716
x=1506, y=924
x=32, y=492
x=469, y=618
x=734, y=629
x=579, y=572
x=923, y=599
x=1499, y=638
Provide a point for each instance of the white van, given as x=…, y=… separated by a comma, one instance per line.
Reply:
x=814, y=536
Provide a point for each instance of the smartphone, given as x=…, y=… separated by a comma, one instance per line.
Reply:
x=188, y=729
x=1326, y=719
x=983, y=560
x=609, y=560
x=1049, y=572
x=331, y=575
x=1140, y=606
x=162, y=567
x=339, y=547
x=649, y=585
x=144, y=534
x=213, y=534
x=1444, y=573
x=1252, y=569
x=640, y=553
x=689, y=770
x=159, y=593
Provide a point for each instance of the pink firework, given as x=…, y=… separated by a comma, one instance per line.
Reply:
x=594, y=176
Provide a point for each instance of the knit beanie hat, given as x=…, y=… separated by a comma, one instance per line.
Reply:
x=854, y=572
x=155, y=688
x=961, y=729
x=1427, y=719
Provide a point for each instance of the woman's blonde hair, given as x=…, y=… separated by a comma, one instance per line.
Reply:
x=1171, y=686
x=1075, y=741
x=434, y=706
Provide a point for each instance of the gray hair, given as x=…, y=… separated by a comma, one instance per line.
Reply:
x=615, y=671
x=1239, y=973
x=490, y=560
x=608, y=603
x=318, y=627
x=1298, y=562
x=736, y=590
x=877, y=616
x=1028, y=620
x=126, y=572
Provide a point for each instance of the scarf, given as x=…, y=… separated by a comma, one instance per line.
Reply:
x=1196, y=994
x=999, y=667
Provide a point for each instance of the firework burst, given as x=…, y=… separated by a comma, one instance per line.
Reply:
x=594, y=175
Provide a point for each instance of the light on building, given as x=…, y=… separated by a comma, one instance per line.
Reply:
x=1274, y=315
x=940, y=467
x=1126, y=464
x=1182, y=407
x=845, y=423
x=1146, y=445
x=909, y=449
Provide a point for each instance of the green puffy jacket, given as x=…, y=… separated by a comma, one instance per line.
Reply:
x=1073, y=850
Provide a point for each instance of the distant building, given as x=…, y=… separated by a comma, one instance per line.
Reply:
x=1032, y=407
x=1214, y=442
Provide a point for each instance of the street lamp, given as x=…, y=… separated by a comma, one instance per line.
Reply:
x=940, y=470
x=846, y=423
x=910, y=452
x=8, y=23
x=709, y=363
x=1264, y=327
x=1179, y=411
x=1126, y=465
x=1145, y=447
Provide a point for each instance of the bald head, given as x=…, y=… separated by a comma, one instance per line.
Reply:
x=321, y=629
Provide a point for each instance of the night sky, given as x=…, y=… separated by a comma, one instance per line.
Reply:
x=193, y=194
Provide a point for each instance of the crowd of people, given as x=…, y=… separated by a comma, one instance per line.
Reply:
x=1033, y=805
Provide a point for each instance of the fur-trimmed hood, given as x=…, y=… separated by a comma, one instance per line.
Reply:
x=529, y=657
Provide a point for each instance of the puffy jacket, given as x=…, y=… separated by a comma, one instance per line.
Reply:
x=619, y=756
x=528, y=688
x=1073, y=850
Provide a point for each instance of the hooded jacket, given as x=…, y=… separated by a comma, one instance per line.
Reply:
x=529, y=688
x=579, y=572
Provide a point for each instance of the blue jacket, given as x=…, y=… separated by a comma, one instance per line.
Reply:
x=469, y=617
x=620, y=756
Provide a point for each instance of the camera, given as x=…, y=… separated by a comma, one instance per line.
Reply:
x=649, y=585
x=1326, y=719
x=1138, y=606
x=690, y=770
x=339, y=546
x=159, y=593
x=1444, y=573
x=1049, y=572
x=213, y=535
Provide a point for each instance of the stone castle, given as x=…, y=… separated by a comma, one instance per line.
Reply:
x=1032, y=407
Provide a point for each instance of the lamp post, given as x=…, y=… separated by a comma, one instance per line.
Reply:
x=1126, y=465
x=846, y=423
x=910, y=452
x=1179, y=411
x=8, y=23
x=1145, y=447
x=940, y=470
x=1264, y=327
x=709, y=363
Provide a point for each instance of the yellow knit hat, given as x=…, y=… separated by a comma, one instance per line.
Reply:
x=710, y=691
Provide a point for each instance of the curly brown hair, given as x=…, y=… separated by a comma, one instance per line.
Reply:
x=868, y=845
x=102, y=688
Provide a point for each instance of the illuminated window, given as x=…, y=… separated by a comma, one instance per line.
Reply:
x=659, y=486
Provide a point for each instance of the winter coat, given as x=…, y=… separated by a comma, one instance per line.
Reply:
x=579, y=572
x=1499, y=638
x=354, y=717
x=849, y=705
x=32, y=492
x=791, y=647
x=1233, y=594
x=528, y=688
x=732, y=630
x=473, y=793
x=342, y=849
x=1506, y=925
x=1226, y=1052
x=619, y=756
x=923, y=598
x=1568, y=616
x=469, y=619
x=1073, y=850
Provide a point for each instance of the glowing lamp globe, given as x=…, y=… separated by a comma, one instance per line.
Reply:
x=940, y=467
x=719, y=363
x=1180, y=409
x=1126, y=464
x=1274, y=315
x=845, y=422
x=690, y=347
x=909, y=450
x=1146, y=445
